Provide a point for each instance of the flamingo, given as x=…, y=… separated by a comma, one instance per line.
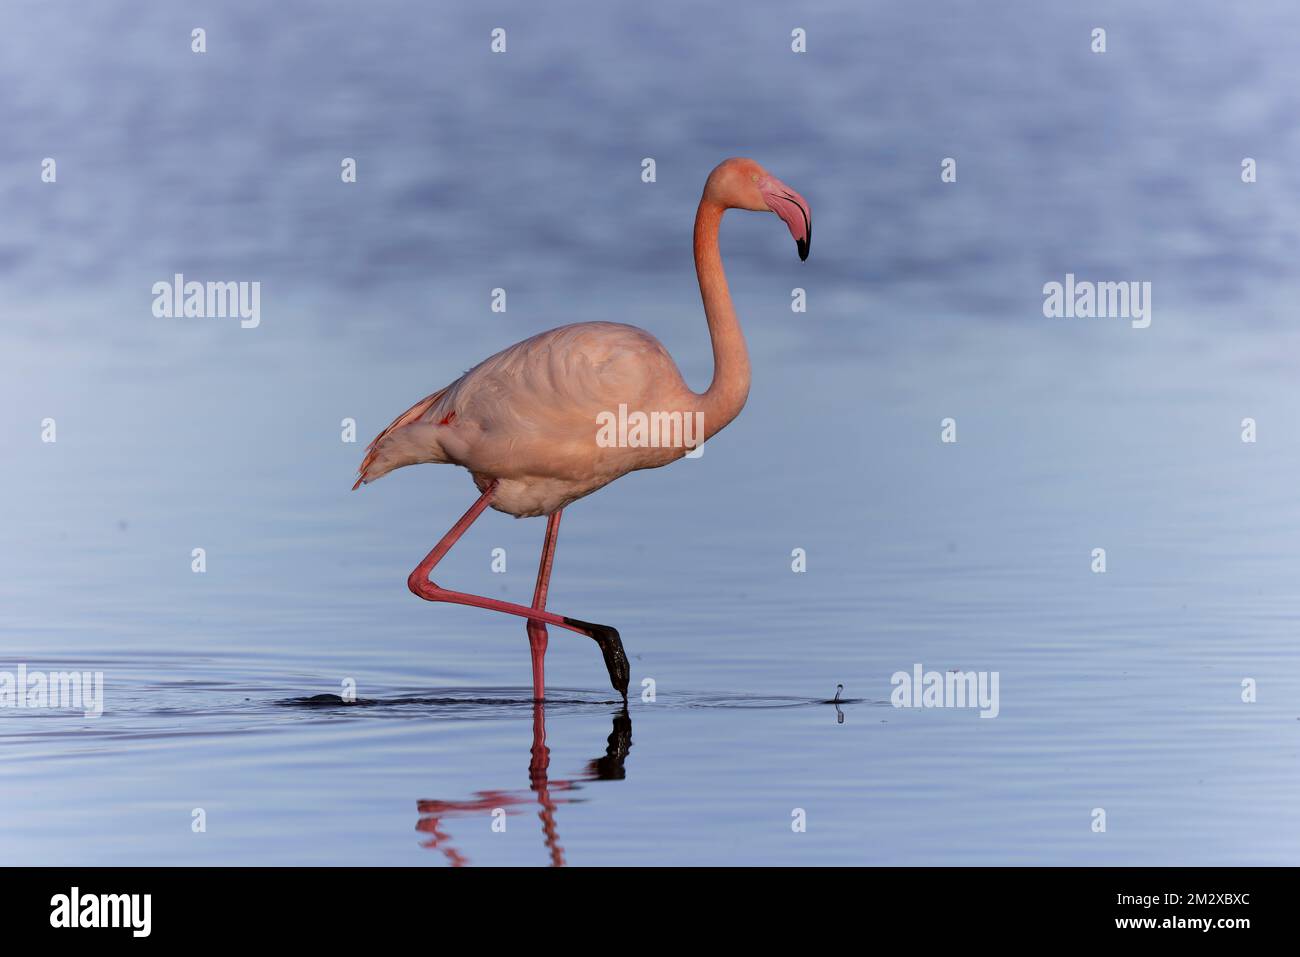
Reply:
x=525, y=421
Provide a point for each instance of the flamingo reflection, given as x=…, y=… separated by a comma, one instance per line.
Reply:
x=547, y=793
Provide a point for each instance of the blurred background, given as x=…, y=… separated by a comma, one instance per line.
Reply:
x=522, y=170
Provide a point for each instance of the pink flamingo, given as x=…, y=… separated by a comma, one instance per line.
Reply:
x=524, y=422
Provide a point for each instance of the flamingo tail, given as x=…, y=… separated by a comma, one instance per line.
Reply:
x=407, y=441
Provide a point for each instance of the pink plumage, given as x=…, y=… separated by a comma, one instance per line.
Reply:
x=528, y=416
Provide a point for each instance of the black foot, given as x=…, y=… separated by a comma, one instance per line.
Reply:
x=611, y=646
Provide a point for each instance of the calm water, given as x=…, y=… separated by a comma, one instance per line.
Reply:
x=1119, y=691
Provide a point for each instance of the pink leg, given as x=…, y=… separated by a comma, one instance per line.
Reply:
x=607, y=638
x=537, y=637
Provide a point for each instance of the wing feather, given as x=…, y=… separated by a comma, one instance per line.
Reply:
x=413, y=414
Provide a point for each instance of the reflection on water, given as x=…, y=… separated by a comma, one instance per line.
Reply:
x=542, y=790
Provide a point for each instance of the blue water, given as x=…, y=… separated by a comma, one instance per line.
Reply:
x=1120, y=691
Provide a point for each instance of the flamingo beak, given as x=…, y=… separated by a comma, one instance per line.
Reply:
x=793, y=210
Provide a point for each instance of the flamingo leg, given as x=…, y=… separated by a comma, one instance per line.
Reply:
x=537, y=636
x=607, y=637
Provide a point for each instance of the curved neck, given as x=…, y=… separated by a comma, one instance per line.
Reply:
x=726, y=394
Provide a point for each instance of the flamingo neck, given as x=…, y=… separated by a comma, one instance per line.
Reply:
x=726, y=394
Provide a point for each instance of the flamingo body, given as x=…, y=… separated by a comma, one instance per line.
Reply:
x=528, y=416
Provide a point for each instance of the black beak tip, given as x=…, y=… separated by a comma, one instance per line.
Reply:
x=802, y=246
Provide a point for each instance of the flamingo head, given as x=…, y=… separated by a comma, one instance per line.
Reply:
x=740, y=183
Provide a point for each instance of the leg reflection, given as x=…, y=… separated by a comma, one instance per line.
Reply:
x=547, y=793
x=539, y=783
